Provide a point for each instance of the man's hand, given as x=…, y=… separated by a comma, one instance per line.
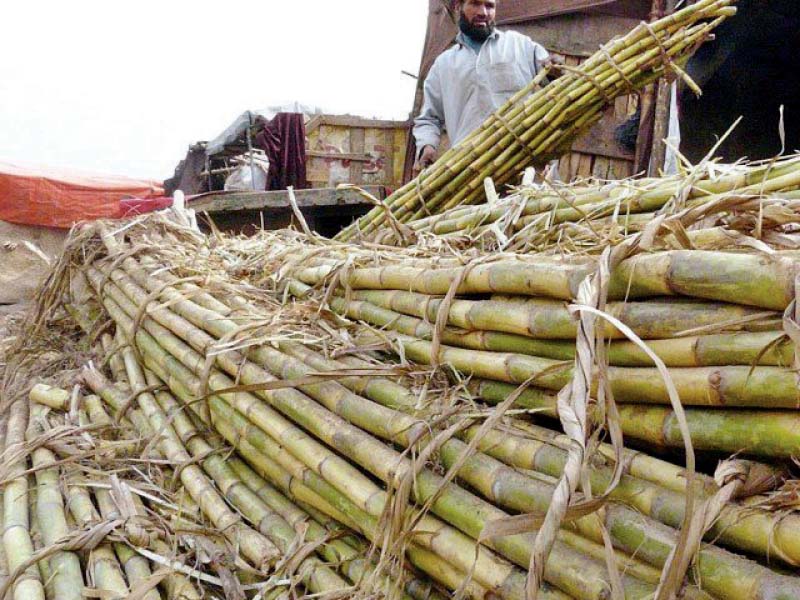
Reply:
x=426, y=158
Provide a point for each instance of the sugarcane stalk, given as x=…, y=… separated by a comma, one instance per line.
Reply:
x=102, y=563
x=647, y=539
x=295, y=374
x=67, y=578
x=507, y=162
x=768, y=348
x=549, y=319
x=195, y=339
x=759, y=433
x=446, y=540
x=215, y=317
x=575, y=203
x=745, y=279
x=505, y=487
x=4, y=573
x=351, y=562
x=136, y=568
x=729, y=386
x=175, y=584
x=17, y=542
x=43, y=566
x=48, y=395
x=433, y=555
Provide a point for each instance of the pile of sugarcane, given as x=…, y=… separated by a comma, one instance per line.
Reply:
x=586, y=216
x=89, y=508
x=115, y=490
x=715, y=319
x=540, y=122
x=335, y=423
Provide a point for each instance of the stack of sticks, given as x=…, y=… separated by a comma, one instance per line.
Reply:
x=410, y=459
x=715, y=319
x=585, y=216
x=540, y=122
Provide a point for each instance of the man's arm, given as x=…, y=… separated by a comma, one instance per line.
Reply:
x=429, y=124
x=539, y=57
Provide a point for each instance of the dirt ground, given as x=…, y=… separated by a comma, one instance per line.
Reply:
x=26, y=254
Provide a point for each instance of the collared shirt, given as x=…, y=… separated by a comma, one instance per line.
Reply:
x=464, y=87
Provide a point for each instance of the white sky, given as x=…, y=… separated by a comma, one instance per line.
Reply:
x=125, y=87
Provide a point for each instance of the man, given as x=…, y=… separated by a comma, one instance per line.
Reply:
x=473, y=78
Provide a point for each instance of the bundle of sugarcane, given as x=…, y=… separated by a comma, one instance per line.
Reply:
x=69, y=531
x=514, y=323
x=714, y=318
x=534, y=214
x=353, y=441
x=105, y=522
x=539, y=123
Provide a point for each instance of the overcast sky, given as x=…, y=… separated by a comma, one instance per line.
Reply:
x=125, y=87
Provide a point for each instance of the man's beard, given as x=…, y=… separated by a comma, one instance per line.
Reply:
x=476, y=32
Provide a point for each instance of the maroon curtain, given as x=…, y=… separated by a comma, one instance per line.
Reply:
x=283, y=139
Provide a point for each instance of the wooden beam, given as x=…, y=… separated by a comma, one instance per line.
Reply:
x=353, y=121
x=216, y=202
x=360, y=157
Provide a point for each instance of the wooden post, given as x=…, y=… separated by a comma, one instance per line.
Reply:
x=250, y=151
x=645, y=140
x=660, y=128
x=661, y=116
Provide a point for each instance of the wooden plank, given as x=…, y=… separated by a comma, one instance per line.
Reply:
x=388, y=157
x=621, y=107
x=357, y=136
x=399, y=157
x=600, y=167
x=574, y=164
x=564, y=168
x=352, y=121
x=339, y=155
x=620, y=169
x=585, y=165
x=235, y=201
x=578, y=35
x=313, y=124
x=514, y=11
x=600, y=140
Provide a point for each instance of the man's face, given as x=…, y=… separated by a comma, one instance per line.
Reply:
x=480, y=14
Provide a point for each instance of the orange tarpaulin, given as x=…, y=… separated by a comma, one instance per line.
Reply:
x=60, y=198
